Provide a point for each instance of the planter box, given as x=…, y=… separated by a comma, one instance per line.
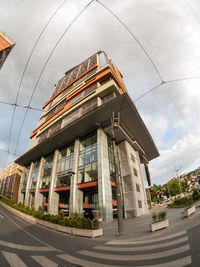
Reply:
x=188, y=212
x=64, y=229
x=159, y=225
x=87, y=233
x=57, y=227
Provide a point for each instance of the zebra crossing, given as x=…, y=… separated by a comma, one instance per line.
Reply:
x=171, y=250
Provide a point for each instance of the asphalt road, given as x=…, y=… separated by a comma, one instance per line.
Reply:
x=26, y=244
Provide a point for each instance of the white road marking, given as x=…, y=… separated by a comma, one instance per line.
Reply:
x=22, y=247
x=150, y=256
x=50, y=247
x=25, y=222
x=82, y=262
x=44, y=261
x=151, y=247
x=85, y=263
x=130, y=242
x=13, y=259
x=1, y=216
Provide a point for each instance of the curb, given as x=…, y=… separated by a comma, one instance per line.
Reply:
x=64, y=229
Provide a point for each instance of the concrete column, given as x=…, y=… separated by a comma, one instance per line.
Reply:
x=10, y=168
x=20, y=194
x=13, y=181
x=104, y=183
x=5, y=182
x=143, y=187
x=76, y=195
x=149, y=182
x=53, y=199
x=28, y=185
x=38, y=195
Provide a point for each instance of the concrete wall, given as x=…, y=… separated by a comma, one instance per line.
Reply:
x=104, y=184
x=134, y=195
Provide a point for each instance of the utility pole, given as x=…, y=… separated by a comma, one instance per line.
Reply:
x=115, y=121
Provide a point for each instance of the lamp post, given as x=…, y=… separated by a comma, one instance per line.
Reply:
x=114, y=126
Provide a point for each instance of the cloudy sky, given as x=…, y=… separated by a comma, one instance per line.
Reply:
x=169, y=31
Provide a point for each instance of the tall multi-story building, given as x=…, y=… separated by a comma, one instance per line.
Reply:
x=6, y=45
x=70, y=162
x=10, y=180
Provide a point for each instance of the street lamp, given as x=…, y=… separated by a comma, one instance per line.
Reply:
x=115, y=121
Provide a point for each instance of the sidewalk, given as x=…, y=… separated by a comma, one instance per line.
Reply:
x=138, y=228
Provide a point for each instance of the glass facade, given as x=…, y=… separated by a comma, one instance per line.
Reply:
x=91, y=198
x=26, y=173
x=35, y=174
x=47, y=169
x=87, y=170
x=65, y=165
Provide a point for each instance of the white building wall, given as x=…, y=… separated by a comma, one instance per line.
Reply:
x=134, y=195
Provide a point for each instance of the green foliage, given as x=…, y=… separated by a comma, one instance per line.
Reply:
x=61, y=214
x=53, y=219
x=76, y=221
x=162, y=215
x=196, y=194
x=155, y=192
x=154, y=217
x=182, y=202
x=95, y=223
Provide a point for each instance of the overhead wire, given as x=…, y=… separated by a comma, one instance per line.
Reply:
x=154, y=88
x=14, y=104
x=192, y=10
x=51, y=53
x=134, y=36
x=163, y=83
x=26, y=65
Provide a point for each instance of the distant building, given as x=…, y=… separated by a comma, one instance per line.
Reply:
x=6, y=45
x=10, y=180
x=70, y=163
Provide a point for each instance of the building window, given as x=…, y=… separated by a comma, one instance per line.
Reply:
x=46, y=176
x=132, y=157
x=65, y=165
x=137, y=187
x=35, y=174
x=91, y=198
x=88, y=159
x=135, y=172
x=26, y=173
x=139, y=203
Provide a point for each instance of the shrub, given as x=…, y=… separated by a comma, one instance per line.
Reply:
x=61, y=221
x=61, y=214
x=67, y=222
x=53, y=219
x=182, y=202
x=95, y=223
x=162, y=215
x=76, y=221
x=195, y=194
x=154, y=217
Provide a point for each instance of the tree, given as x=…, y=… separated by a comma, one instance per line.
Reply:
x=155, y=192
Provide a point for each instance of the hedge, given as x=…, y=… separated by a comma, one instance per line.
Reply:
x=76, y=221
